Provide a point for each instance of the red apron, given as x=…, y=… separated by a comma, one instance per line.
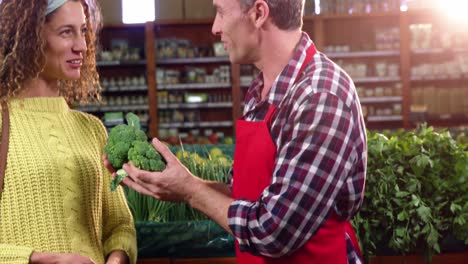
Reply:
x=254, y=160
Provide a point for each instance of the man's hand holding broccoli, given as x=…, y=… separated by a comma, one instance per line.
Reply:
x=128, y=143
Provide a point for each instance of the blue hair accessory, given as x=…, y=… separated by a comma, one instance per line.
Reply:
x=53, y=5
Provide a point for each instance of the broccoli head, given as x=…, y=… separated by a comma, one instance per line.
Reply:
x=120, y=140
x=127, y=142
x=144, y=156
x=117, y=153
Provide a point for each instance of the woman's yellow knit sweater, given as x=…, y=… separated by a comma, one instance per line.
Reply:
x=56, y=194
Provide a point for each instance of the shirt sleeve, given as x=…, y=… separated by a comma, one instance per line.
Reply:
x=314, y=157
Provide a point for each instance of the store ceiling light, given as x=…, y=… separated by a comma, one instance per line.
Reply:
x=137, y=11
x=454, y=10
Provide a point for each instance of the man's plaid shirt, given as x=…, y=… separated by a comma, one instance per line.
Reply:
x=320, y=165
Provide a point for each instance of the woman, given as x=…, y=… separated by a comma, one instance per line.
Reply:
x=56, y=205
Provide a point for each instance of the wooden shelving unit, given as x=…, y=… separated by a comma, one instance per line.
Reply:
x=199, y=32
x=356, y=31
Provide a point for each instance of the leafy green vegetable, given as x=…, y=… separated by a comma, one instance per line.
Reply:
x=121, y=138
x=145, y=156
x=127, y=142
x=416, y=193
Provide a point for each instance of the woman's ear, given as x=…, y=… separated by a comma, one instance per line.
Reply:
x=259, y=13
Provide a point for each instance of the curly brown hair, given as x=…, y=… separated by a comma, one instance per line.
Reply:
x=22, y=49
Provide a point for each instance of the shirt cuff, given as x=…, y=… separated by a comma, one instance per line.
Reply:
x=238, y=222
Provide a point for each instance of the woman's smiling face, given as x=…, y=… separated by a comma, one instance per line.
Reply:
x=64, y=33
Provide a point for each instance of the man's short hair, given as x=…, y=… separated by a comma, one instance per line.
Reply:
x=286, y=14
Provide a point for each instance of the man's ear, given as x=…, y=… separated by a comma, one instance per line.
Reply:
x=259, y=13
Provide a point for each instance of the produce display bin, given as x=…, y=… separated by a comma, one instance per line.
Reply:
x=184, y=239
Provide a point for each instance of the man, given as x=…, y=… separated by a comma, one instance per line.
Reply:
x=300, y=157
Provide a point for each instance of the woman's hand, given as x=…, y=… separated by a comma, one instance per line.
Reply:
x=107, y=164
x=58, y=258
x=117, y=257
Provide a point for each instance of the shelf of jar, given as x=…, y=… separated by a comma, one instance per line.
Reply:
x=361, y=15
x=183, y=86
x=447, y=117
x=375, y=79
x=195, y=105
x=438, y=78
x=123, y=108
x=391, y=118
x=434, y=51
x=363, y=54
x=133, y=88
x=120, y=63
x=378, y=99
x=357, y=80
x=440, y=120
x=184, y=21
x=112, y=123
x=245, y=84
x=192, y=60
x=381, y=99
x=196, y=124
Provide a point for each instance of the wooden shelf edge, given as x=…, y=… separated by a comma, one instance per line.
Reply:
x=393, y=118
x=361, y=54
x=381, y=99
x=378, y=14
x=198, y=60
x=120, y=63
x=123, y=26
x=189, y=86
x=375, y=79
x=169, y=22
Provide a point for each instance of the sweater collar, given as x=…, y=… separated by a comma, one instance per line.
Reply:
x=40, y=104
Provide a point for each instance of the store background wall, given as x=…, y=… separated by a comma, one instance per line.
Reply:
x=111, y=11
x=165, y=9
x=199, y=9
